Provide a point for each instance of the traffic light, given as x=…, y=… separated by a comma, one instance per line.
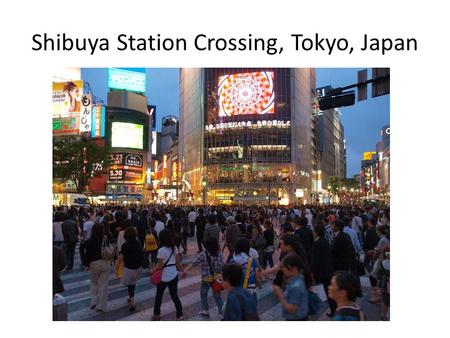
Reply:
x=336, y=101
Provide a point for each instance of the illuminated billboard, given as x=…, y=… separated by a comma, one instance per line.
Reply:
x=66, y=126
x=98, y=121
x=126, y=79
x=127, y=135
x=66, y=98
x=246, y=94
x=368, y=155
x=154, y=140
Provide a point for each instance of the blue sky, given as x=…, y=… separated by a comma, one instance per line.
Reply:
x=362, y=121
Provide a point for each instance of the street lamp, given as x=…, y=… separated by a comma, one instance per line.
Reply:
x=204, y=192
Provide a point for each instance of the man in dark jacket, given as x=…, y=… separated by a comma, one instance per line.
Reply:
x=304, y=234
x=70, y=234
x=58, y=265
x=343, y=252
x=321, y=263
x=200, y=223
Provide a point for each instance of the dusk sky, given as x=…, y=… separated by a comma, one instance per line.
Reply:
x=362, y=121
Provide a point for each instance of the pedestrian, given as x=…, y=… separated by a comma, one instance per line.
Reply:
x=321, y=263
x=131, y=251
x=169, y=261
x=58, y=265
x=211, y=262
x=288, y=243
x=384, y=283
x=249, y=265
x=70, y=234
x=151, y=244
x=304, y=234
x=269, y=249
x=231, y=236
x=240, y=304
x=200, y=223
x=371, y=240
x=343, y=251
x=295, y=298
x=212, y=228
x=58, y=237
x=344, y=289
x=98, y=267
x=258, y=241
x=192, y=216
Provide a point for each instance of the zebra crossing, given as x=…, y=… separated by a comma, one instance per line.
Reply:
x=77, y=295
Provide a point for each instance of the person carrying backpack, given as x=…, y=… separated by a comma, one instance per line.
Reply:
x=240, y=304
x=150, y=244
x=249, y=265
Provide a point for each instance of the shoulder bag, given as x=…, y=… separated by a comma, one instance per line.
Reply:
x=156, y=276
x=216, y=285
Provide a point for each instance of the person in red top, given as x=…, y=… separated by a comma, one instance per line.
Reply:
x=331, y=218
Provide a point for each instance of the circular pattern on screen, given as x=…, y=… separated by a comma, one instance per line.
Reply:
x=245, y=93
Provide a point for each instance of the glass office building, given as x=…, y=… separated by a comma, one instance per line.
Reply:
x=245, y=134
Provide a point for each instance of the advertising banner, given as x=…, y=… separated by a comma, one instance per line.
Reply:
x=127, y=135
x=368, y=155
x=66, y=97
x=66, y=126
x=126, y=79
x=98, y=121
x=126, y=159
x=124, y=189
x=246, y=93
x=85, y=114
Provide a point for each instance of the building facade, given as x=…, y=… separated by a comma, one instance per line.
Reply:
x=245, y=135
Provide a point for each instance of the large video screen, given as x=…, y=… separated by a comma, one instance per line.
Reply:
x=127, y=135
x=246, y=93
x=126, y=79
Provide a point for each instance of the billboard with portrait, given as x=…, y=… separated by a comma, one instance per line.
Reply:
x=127, y=135
x=66, y=98
x=246, y=94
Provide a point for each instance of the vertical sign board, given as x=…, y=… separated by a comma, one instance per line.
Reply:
x=85, y=113
x=98, y=121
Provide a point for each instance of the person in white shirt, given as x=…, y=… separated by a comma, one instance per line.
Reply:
x=169, y=262
x=192, y=216
x=87, y=226
x=159, y=225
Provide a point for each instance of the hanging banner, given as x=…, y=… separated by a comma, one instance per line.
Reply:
x=85, y=114
x=98, y=121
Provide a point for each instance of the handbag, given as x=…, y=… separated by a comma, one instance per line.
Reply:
x=156, y=276
x=260, y=241
x=107, y=250
x=216, y=285
x=119, y=266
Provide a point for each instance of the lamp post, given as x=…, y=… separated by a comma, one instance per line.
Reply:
x=204, y=192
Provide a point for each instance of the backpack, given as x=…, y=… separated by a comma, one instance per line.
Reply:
x=150, y=242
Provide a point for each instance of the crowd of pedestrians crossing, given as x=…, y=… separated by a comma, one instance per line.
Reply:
x=302, y=251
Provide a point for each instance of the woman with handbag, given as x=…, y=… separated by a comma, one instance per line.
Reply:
x=165, y=273
x=211, y=262
x=98, y=255
x=132, y=255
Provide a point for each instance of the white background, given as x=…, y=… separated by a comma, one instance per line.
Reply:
x=419, y=93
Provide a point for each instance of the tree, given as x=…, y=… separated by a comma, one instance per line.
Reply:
x=75, y=159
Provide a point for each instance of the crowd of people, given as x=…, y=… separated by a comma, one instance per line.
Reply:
x=296, y=249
